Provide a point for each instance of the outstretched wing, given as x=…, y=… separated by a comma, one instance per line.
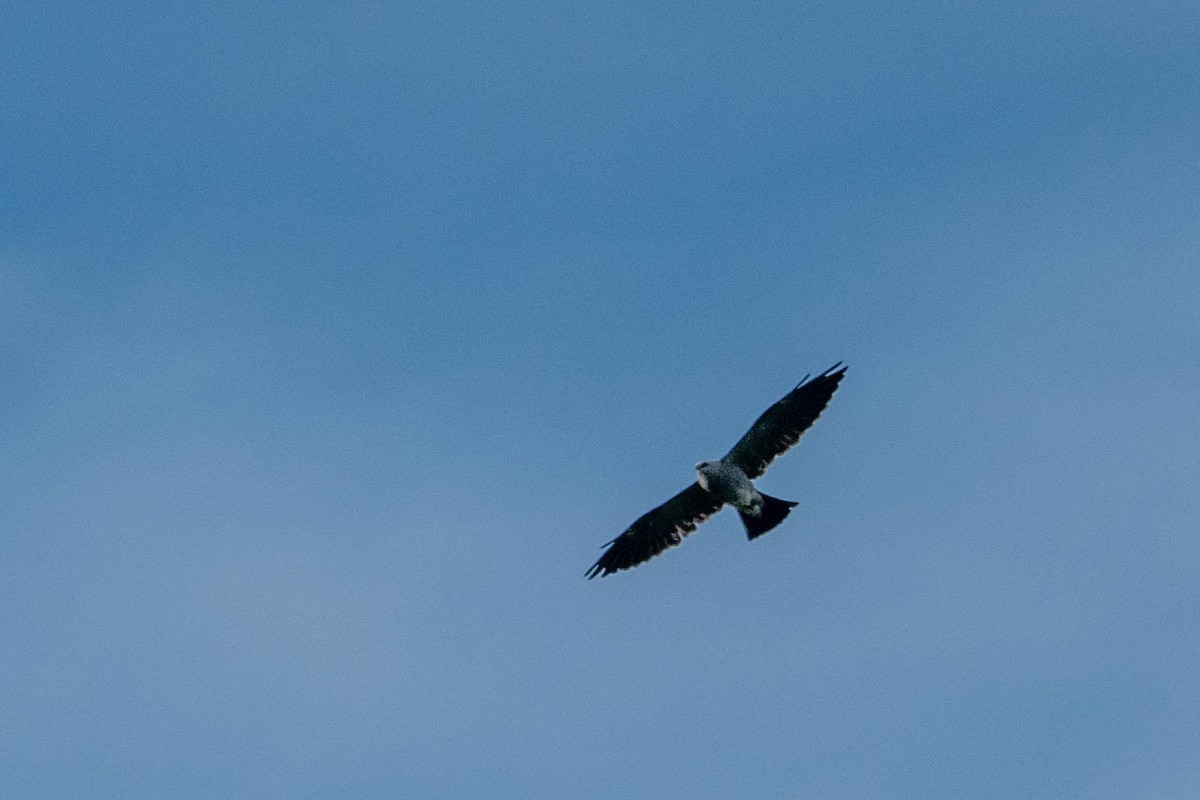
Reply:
x=782, y=425
x=657, y=530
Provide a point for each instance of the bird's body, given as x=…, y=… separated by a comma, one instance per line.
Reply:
x=728, y=483
x=728, y=480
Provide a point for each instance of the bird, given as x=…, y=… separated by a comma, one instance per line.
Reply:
x=727, y=481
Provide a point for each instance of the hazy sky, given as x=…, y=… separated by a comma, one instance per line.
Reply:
x=337, y=338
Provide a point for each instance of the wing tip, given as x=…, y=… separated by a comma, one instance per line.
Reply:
x=611, y=561
x=600, y=567
x=835, y=372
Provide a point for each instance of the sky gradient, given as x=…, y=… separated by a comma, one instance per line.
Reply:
x=336, y=340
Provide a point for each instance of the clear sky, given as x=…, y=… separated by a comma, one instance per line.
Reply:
x=337, y=338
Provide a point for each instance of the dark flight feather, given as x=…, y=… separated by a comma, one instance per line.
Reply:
x=656, y=531
x=782, y=425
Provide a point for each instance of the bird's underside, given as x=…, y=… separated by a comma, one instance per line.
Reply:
x=779, y=427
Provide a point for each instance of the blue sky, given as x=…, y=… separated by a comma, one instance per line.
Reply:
x=337, y=339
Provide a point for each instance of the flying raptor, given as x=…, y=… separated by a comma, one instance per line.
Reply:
x=727, y=481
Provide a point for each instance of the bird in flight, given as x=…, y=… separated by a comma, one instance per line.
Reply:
x=727, y=481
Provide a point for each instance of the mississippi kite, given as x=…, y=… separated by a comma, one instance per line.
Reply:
x=727, y=481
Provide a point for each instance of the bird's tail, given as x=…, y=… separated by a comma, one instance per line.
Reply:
x=774, y=511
